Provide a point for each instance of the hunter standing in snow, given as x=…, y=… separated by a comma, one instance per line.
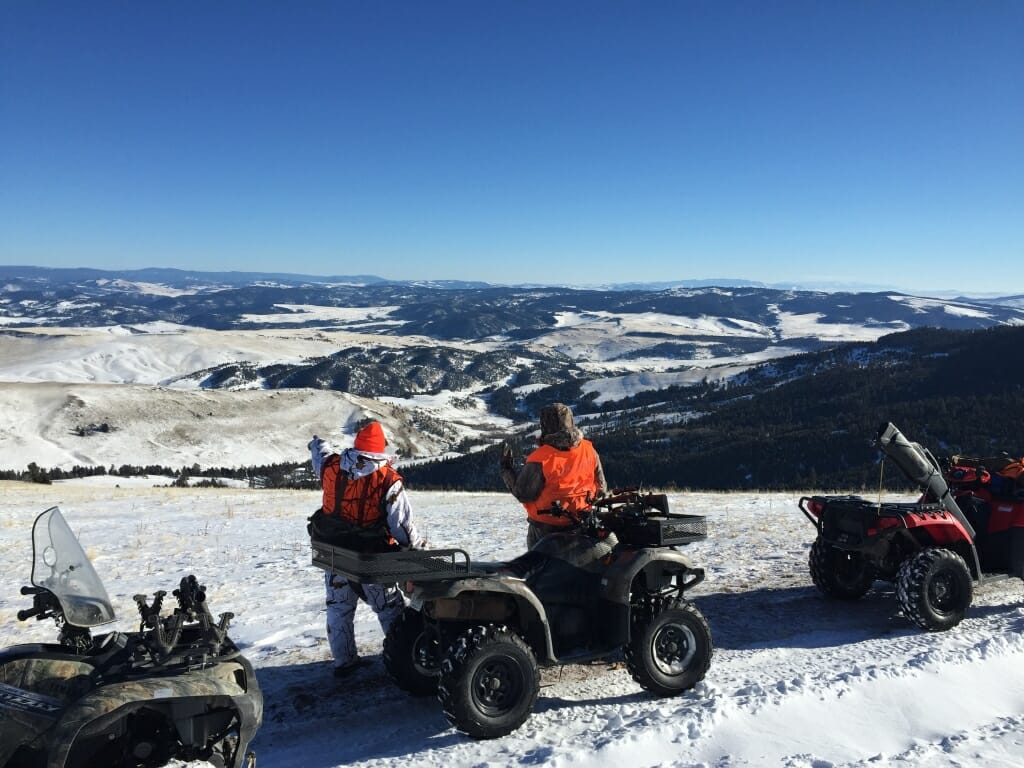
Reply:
x=565, y=469
x=365, y=507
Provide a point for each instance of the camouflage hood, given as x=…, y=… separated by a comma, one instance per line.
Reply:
x=557, y=428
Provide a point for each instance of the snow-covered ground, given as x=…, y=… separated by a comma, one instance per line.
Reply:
x=796, y=680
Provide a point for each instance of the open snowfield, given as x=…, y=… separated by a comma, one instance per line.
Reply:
x=796, y=680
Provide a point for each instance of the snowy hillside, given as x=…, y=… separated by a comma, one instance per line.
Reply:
x=56, y=424
x=796, y=680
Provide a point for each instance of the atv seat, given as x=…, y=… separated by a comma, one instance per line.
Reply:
x=495, y=569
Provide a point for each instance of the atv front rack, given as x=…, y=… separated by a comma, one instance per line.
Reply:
x=661, y=530
x=391, y=567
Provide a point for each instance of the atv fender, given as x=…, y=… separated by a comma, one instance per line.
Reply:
x=659, y=567
x=476, y=599
x=220, y=685
x=38, y=681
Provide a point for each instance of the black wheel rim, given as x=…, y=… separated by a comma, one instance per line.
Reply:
x=425, y=653
x=497, y=685
x=849, y=570
x=673, y=646
x=944, y=593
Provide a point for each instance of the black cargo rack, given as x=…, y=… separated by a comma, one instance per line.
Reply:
x=662, y=530
x=391, y=567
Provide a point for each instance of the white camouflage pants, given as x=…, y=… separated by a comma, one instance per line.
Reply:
x=386, y=600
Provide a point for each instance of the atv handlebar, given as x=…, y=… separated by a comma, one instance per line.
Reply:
x=44, y=604
x=622, y=505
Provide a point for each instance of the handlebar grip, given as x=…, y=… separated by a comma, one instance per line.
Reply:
x=27, y=614
x=32, y=590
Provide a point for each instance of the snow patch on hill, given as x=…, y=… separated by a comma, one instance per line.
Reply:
x=165, y=353
x=50, y=425
x=955, y=309
x=312, y=313
x=804, y=326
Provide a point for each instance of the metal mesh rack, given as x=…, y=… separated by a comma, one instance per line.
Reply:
x=390, y=567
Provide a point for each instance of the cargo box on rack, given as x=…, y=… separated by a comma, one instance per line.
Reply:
x=663, y=530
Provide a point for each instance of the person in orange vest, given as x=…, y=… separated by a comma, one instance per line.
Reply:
x=365, y=507
x=565, y=470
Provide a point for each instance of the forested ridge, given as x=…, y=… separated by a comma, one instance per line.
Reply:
x=807, y=422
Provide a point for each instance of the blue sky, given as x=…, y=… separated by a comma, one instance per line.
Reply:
x=590, y=142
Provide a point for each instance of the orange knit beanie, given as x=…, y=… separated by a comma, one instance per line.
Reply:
x=371, y=438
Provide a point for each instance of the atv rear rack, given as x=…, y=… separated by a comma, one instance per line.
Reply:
x=391, y=567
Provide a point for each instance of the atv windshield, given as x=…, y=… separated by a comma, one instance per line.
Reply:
x=60, y=565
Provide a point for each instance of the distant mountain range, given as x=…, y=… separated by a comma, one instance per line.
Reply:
x=452, y=366
x=465, y=311
x=160, y=279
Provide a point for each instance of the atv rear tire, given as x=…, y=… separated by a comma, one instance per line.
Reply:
x=412, y=655
x=934, y=588
x=489, y=682
x=839, y=574
x=670, y=652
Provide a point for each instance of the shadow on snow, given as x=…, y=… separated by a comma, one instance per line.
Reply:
x=801, y=617
x=314, y=720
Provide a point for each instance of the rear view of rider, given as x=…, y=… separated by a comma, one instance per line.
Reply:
x=366, y=508
x=564, y=470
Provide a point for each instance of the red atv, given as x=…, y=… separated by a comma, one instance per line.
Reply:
x=965, y=528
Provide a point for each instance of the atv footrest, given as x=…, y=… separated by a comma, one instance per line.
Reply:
x=391, y=567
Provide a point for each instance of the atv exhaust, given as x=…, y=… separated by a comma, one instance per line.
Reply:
x=920, y=467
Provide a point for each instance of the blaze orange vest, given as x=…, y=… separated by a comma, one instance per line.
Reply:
x=359, y=501
x=568, y=479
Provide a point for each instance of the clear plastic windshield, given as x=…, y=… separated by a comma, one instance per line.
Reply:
x=61, y=566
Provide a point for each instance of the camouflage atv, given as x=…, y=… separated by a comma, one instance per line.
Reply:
x=176, y=689
x=475, y=634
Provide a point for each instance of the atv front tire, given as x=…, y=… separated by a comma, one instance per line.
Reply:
x=671, y=652
x=934, y=588
x=489, y=682
x=412, y=655
x=839, y=574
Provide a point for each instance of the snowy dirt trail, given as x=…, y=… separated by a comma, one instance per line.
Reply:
x=796, y=680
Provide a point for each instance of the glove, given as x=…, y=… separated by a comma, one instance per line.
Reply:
x=315, y=443
x=506, y=461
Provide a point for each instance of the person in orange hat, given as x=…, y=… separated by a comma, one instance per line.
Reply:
x=365, y=507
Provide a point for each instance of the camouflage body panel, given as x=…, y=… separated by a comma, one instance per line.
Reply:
x=50, y=702
x=216, y=684
x=34, y=692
